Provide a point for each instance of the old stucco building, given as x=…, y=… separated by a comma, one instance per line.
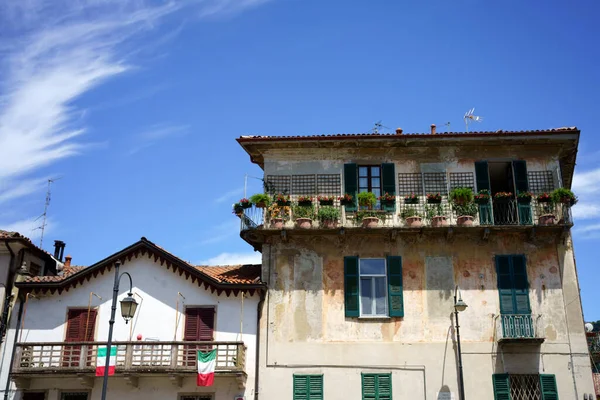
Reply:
x=356, y=311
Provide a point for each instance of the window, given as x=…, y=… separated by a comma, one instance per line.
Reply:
x=199, y=326
x=35, y=269
x=369, y=179
x=373, y=287
x=308, y=387
x=81, y=325
x=377, y=179
x=34, y=396
x=376, y=386
x=74, y=396
x=507, y=387
x=513, y=286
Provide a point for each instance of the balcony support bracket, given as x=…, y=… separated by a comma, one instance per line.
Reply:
x=176, y=380
x=449, y=234
x=131, y=380
x=486, y=233
x=532, y=234
x=393, y=234
x=241, y=381
x=284, y=237
x=86, y=381
x=22, y=383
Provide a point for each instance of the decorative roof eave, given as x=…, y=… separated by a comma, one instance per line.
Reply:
x=143, y=248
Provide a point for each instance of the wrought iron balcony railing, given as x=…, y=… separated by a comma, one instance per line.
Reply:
x=519, y=327
x=147, y=357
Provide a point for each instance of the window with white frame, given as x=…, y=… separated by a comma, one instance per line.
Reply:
x=373, y=287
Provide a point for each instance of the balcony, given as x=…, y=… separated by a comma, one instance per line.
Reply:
x=134, y=359
x=519, y=329
x=593, y=339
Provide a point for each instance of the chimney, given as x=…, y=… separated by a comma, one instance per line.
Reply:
x=68, y=261
x=433, y=129
x=398, y=131
x=59, y=249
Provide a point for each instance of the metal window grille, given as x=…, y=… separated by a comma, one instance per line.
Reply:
x=410, y=183
x=74, y=396
x=303, y=185
x=525, y=387
x=540, y=181
x=435, y=182
x=329, y=184
x=462, y=180
x=277, y=184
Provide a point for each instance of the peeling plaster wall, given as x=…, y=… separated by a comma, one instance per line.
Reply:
x=304, y=329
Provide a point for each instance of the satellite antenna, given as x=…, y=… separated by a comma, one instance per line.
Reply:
x=589, y=327
x=45, y=214
x=377, y=128
x=469, y=117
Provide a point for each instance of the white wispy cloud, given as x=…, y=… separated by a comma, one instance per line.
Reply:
x=219, y=233
x=156, y=133
x=29, y=227
x=11, y=190
x=230, y=196
x=586, y=186
x=233, y=259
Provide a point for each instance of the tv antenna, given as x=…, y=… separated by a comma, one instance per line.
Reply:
x=377, y=128
x=447, y=125
x=45, y=214
x=469, y=117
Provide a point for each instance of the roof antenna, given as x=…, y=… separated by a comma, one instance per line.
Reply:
x=45, y=214
x=469, y=117
x=377, y=128
x=447, y=125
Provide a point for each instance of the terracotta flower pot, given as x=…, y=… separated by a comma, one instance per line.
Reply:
x=464, y=220
x=303, y=223
x=439, y=221
x=277, y=223
x=370, y=222
x=329, y=224
x=413, y=222
x=261, y=204
x=547, y=219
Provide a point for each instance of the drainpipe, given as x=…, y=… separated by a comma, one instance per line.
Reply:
x=14, y=349
x=257, y=357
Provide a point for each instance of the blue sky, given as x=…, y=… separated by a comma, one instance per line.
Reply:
x=136, y=104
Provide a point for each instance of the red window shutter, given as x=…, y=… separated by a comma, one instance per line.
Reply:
x=191, y=324
x=88, y=325
x=199, y=324
x=74, y=331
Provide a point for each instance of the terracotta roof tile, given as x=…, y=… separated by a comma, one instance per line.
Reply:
x=67, y=272
x=11, y=235
x=235, y=274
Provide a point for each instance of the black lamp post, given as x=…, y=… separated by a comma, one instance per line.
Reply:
x=459, y=305
x=128, y=307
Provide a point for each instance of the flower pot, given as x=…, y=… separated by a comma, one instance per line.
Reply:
x=239, y=213
x=388, y=203
x=346, y=202
x=261, y=204
x=413, y=222
x=246, y=205
x=434, y=201
x=370, y=222
x=329, y=224
x=439, y=221
x=326, y=202
x=482, y=201
x=566, y=200
x=464, y=220
x=305, y=203
x=283, y=203
x=411, y=201
x=547, y=219
x=502, y=199
x=277, y=223
x=524, y=200
x=303, y=223
x=544, y=200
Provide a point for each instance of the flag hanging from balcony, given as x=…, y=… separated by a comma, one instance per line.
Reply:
x=101, y=361
x=206, y=367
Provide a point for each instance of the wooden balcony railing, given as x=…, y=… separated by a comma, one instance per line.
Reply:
x=172, y=357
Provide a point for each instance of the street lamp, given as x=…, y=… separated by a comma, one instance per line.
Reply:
x=459, y=306
x=128, y=307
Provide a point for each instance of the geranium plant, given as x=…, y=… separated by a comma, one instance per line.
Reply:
x=482, y=197
x=524, y=197
x=544, y=198
x=346, y=199
x=245, y=203
x=282, y=199
x=304, y=200
x=326, y=200
x=434, y=198
x=387, y=198
x=411, y=199
x=503, y=196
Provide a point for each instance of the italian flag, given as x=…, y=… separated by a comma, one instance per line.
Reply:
x=206, y=368
x=101, y=360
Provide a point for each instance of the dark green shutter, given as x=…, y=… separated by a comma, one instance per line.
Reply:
x=513, y=286
x=549, y=390
x=482, y=176
x=369, y=386
x=300, y=387
x=384, y=387
x=315, y=387
x=521, y=285
x=388, y=183
x=395, y=295
x=505, y=285
x=351, y=302
x=501, y=387
x=520, y=173
x=351, y=184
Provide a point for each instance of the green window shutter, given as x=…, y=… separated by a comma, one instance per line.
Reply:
x=301, y=387
x=505, y=284
x=520, y=173
x=384, y=387
x=501, y=387
x=388, y=183
x=315, y=387
x=482, y=176
x=351, y=277
x=521, y=285
x=351, y=184
x=549, y=390
x=369, y=386
x=395, y=293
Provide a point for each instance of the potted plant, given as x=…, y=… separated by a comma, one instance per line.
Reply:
x=466, y=213
x=368, y=218
x=282, y=200
x=546, y=209
x=367, y=200
x=436, y=215
x=482, y=197
x=261, y=200
x=564, y=196
x=245, y=203
x=387, y=199
x=524, y=197
x=503, y=197
x=346, y=200
x=238, y=209
x=411, y=199
x=303, y=215
x=278, y=215
x=304, y=201
x=434, y=198
x=326, y=200
x=412, y=217
x=461, y=196
x=328, y=216
x=544, y=198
